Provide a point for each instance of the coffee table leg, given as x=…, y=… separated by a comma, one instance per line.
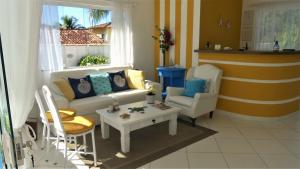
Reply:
x=125, y=140
x=104, y=129
x=173, y=126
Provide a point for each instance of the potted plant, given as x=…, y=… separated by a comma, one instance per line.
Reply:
x=150, y=96
x=165, y=41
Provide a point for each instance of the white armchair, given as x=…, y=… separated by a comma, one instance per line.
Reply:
x=202, y=103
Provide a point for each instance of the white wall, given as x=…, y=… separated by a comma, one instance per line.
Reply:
x=143, y=28
x=73, y=53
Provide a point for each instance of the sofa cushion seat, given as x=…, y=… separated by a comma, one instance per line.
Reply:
x=181, y=100
x=129, y=96
x=91, y=104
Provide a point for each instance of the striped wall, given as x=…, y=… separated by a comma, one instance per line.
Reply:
x=182, y=18
x=265, y=85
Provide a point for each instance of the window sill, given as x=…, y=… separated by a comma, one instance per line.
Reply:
x=100, y=67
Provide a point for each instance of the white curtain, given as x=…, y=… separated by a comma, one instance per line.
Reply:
x=50, y=53
x=277, y=21
x=19, y=27
x=122, y=36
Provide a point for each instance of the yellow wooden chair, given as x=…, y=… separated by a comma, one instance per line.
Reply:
x=47, y=120
x=79, y=126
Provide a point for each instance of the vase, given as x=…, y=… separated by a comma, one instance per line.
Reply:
x=150, y=99
x=164, y=58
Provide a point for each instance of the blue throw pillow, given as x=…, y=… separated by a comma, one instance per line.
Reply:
x=82, y=87
x=118, y=81
x=101, y=83
x=194, y=86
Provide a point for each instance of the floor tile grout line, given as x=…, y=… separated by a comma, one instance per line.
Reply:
x=254, y=149
x=278, y=140
x=187, y=157
x=222, y=154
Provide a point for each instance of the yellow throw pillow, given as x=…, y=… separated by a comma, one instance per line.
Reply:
x=136, y=79
x=66, y=89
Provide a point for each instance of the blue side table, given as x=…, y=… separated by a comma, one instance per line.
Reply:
x=171, y=76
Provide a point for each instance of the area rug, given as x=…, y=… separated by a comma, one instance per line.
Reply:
x=146, y=144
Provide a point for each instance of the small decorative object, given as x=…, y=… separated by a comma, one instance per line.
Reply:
x=165, y=41
x=125, y=116
x=224, y=24
x=276, y=46
x=113, y=108
x=150, y=96
x=218, y=47
x=227, y=48
x=246, y=47
x=162, y=106
x=137, y=109
x=207, y=46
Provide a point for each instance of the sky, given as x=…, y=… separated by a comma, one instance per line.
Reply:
x=82, y=14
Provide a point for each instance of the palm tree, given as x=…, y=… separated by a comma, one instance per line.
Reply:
x=97, y=14
x=69, y=22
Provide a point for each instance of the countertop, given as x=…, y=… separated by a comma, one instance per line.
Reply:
x=249, y=52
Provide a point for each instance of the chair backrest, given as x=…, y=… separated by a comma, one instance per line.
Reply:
x=209, y=72
x=54, y=111
x=41, y=107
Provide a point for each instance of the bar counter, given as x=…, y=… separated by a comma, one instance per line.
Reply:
x=257, y=83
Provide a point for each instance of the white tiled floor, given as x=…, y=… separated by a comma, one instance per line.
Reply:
x=240, y=143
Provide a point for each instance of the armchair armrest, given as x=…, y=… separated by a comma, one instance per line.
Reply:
x=61, y=101
x=203, y=96
x=174, y=91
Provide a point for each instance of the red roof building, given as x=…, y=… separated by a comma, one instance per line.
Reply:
x=79, y=37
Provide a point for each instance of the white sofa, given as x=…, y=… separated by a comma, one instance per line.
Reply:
x=88, y=106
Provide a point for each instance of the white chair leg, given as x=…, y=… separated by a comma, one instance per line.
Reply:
x=48, y=138
x=94, y=148
x=43, y=136
x=57, y=141
x=75, y=141
x=65, y=151
x=84, y=143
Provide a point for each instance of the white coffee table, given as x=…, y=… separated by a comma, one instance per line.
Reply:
x=137, y=120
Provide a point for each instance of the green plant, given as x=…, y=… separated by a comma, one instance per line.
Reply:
x=93, y=60
x=97, y=14
x=70, y=23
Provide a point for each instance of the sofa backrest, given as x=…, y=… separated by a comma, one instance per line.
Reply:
x=79, y=73
x=209, y=72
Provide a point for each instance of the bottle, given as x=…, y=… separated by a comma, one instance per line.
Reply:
x=246, y=48
x=276, y=46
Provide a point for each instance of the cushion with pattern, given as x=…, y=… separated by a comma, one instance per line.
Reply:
x=118, y=81
x=101, y=83
x=82, y=87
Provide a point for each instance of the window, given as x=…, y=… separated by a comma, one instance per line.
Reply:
x=277, y=22
x=85, y=36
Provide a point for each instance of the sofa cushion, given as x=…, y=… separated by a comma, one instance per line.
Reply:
x=181, y=100
x=65, y=88
x=82, y=87
x=91, y=104
x=101, y=83
x=118, y=81
x=128, y=96
x=136, y=79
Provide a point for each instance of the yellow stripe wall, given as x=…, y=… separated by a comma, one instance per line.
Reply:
x=211, y=12
x=266, y=85
x=182, y=18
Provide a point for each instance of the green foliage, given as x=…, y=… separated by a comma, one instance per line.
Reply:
x=70, y=23
x=97, y=14
x=89, y=60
